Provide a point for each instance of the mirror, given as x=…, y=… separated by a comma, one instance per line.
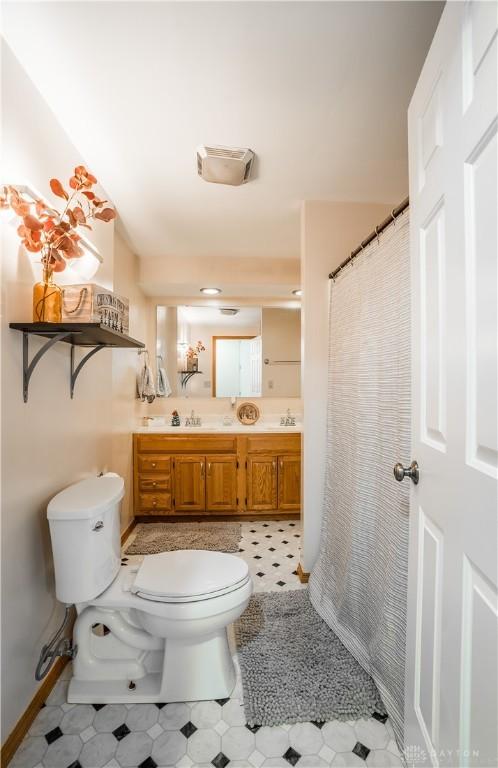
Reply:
x=251, y=352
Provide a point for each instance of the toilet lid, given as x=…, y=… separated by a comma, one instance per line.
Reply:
x=187, y=575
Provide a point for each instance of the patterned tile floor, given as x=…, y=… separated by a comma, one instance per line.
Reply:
x=208, y=734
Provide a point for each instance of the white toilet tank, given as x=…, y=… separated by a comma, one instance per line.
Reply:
x=85, y=533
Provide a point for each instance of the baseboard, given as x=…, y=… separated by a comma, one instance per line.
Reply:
x=13, y=741
x=302, y=575
x=242, y=518
x=127, y=531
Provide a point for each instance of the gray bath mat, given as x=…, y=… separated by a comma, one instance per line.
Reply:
x=152, y=538
x=294, y=668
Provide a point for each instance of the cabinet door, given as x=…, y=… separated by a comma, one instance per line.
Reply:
x=261, y=482
x=289, y=482
x=221, y=483
x=190, y=484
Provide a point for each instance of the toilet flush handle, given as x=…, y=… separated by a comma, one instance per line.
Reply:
x=98, y=525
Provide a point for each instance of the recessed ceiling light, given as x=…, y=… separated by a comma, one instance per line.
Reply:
x=298, y=292
x=211, y=291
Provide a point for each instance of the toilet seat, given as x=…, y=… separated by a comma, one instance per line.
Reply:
x=186, y=576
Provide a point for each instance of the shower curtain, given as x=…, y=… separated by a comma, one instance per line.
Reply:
x=359, y=583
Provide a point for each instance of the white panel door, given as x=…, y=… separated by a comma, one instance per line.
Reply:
x=452, y=641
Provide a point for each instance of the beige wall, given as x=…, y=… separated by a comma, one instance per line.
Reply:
x=281, y=334
x=52, y=440
x=270, y=408
x=183, y=276
x=329, y=232
x=125, y=406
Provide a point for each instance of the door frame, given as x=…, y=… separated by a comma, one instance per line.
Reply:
x=214, y=340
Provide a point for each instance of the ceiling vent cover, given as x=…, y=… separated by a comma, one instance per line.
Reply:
x=229, y=311
x=224, y=165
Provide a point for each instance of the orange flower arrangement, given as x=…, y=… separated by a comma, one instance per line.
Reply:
x=54, y=234
x=193, y=352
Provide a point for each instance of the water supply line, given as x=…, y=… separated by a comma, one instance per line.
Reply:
x=58, y=646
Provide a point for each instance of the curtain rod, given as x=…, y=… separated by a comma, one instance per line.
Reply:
x=375, y=233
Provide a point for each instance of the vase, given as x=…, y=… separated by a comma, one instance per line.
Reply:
x=47, y=300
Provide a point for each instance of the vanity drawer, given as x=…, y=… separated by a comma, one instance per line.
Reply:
x=274, y=443
x=154, y=482
x=182, y=443
x=154, y=502
x=154, y=463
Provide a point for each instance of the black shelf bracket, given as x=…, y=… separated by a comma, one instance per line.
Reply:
x=185, y=377
x=29, y=367
x=93, y=336
x=76, y=371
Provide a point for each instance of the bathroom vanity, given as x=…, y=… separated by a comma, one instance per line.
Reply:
x=217, y=473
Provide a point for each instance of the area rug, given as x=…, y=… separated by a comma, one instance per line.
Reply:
x=294, y=668
x=152, y=538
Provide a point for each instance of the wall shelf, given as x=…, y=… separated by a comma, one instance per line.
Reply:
x=94, y=335
x=185, y=376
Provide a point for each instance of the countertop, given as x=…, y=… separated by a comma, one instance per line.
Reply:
x=218, y=429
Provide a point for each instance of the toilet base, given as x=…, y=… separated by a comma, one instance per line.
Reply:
x=147, y=690
x=197, y=670
x=191, y=670
x=115, y=691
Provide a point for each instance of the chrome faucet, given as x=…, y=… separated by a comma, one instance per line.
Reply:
x=193, y=420
x=288, y=420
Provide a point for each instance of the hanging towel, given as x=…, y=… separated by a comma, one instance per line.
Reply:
x=163, y=388
x=145, y=380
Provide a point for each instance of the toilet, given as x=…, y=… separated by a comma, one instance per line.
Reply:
x=151, y=632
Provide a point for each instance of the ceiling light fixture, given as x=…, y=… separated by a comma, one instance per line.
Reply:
x=211, y=291
x=298, y=292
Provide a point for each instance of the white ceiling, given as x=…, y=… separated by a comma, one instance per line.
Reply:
x=318, y=90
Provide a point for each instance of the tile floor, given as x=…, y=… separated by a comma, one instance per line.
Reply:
x=208, y=734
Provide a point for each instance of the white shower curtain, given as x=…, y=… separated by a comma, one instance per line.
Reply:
x=358, y=585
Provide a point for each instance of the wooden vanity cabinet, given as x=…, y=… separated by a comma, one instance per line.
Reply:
x=289, y=482
x=190, y=486
x=274, y=482
x=221, y=483
x=262, y=484
x=153, y=484
x=253, y=473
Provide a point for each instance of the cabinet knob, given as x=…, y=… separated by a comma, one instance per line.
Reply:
x=154, y=503
x=154, y=484
x=153, y=463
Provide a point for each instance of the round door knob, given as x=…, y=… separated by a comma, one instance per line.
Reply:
x=400, y=472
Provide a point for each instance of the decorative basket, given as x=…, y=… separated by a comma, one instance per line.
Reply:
x=90, y=303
